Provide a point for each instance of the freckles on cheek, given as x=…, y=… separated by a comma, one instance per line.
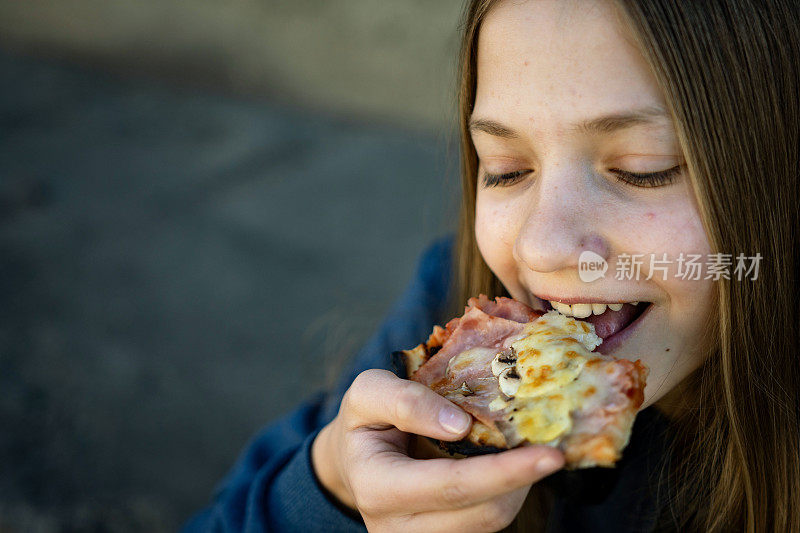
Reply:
x=672, y=228
x=494, y=227
x=495, y=235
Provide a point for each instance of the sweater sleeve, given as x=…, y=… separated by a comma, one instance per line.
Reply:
x=272, y=486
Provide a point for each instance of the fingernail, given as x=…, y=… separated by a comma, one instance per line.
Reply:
x=453, y=420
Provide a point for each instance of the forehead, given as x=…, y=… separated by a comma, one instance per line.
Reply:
x=556, y=62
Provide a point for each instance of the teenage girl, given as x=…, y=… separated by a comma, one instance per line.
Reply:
x=654, y=129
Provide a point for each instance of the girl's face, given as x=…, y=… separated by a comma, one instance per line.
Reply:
x=577, y=154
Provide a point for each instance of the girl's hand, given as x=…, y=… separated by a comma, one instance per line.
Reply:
x=361, y=457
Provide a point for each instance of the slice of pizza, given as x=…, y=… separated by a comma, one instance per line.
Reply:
x=531, y=377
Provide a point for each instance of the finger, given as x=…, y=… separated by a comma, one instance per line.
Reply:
x=492, y=515
x=441, y=484
x=378, y=398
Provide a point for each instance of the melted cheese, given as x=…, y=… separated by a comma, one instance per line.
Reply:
x=554, y=323
x=544, y=418
x=550, y=360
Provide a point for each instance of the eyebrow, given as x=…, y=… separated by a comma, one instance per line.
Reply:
x=603, y=124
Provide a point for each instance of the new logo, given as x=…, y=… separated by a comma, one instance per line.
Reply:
x=591, y=266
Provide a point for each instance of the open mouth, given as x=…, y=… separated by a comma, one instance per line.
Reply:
x=612, y=322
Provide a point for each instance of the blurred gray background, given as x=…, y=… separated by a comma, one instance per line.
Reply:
x=205, y=209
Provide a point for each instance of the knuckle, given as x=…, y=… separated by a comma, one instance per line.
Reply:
x=358, y=390
x=362, y=380
x=453, y=494
x=495, y=516
x=407, y=401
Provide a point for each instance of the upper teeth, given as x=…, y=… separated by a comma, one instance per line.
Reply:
x=584, y=310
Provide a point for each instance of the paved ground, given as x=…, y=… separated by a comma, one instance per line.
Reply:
x=174, y=267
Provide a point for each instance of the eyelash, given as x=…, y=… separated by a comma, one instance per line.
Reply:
x=650, y=179
x=502, y=180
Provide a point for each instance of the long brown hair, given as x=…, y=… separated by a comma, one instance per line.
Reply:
x=729, y=73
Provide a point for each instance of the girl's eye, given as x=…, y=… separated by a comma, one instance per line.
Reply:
x=650, y=179
x=502, y=180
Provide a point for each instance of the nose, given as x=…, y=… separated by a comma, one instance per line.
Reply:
x=562, y=221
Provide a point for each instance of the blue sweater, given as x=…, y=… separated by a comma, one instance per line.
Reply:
x=272, y=487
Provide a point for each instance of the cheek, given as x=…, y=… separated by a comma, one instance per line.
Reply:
x=676, y=231
x=688, y=304
x=495, y=231
x=670, y=226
